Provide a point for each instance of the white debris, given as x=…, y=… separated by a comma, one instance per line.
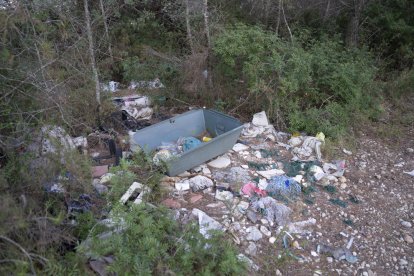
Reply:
x=206, y=223
x=348, y=152
x=297, y=227
x=410, y=173
x=260, y=119
x=224, y=195
x=55, y=138
x=262, y=184
x=112, y=86
x=183, y=186
x=295, y=141
x=310, y=145
x=253, y=234
x=240, y=147
x=220, y=163
x=270, y=173
x=154, y=84
x=200, y=182
x=133, y=189
x=106, y=178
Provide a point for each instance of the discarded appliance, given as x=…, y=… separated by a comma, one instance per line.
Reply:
x=224, y=129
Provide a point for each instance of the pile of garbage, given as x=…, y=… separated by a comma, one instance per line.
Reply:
x=169, y=150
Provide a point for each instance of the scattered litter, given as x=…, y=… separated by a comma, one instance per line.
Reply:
x=189, y=143
x=354, y=199
x=273, y=211
x=259, y=166
x=206, y=223
x=338, y=202
x=265, y=153
x=339, y=253
x=410, y=173
x=260, y=125
x=81, y=205
x=136, y=106
x=330, y=189
x=309, y=146
x=348, y=222
x=251, y=190
x=283, y=186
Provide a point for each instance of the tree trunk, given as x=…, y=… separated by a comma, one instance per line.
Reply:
x=106, y=31
x=187, y=22
x=207, y=31
x=352, y=32
x=92, y=57
x=279, y=13
x=206, y=25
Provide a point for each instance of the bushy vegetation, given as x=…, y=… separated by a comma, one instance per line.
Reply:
x=152, y=243
x=307, y=85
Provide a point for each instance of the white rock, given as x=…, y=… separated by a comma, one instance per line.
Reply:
x=106, y=178
x=265, y=231
x=348, y=152
x=258, y=154
x=244, y=166
x=206, y=223
x=183, y=186
x=220, y=163
x=272, y=240
x=224, y=195
x=200, y=182
x=270, y=173
x=253, y=234
x=240, y=147
x=406, y=224
x=314, y=254
x=260, y=119
x=329, y=259
x=206, y=171
x=403, y=262
x=251, y=249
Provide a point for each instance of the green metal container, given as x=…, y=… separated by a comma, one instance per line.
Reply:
x=224, y=129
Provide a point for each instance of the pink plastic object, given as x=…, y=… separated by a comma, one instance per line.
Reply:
x=250, y=189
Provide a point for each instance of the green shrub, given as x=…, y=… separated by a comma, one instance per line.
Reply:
x=154, y=244
x=306, y=85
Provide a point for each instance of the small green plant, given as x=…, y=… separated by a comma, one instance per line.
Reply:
x=153, y=243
